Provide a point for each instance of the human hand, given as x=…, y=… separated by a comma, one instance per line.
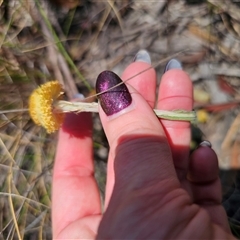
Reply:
x=154, y=189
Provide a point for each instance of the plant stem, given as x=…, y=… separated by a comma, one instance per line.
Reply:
x=176, y=115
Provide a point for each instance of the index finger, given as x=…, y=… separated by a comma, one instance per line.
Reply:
x=75, y=193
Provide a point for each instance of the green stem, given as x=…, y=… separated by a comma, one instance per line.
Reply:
x=175, y=115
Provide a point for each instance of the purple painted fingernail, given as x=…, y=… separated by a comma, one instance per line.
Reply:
x=117, y=98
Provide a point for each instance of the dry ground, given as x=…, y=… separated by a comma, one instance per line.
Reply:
x=73, y=41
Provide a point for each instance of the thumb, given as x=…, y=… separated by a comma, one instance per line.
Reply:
x=138, y=145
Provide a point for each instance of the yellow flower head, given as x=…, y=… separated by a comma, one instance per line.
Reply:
x=41, y=106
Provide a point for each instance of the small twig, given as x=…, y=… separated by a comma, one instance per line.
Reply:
x=9, y=181
x=14, y=110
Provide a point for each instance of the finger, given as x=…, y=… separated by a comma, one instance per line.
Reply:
x=203, y=174
x=205, y=183
x=203, y=171
x=75, y=194
x=176, y=93
x=138, y=145
x=145, y=84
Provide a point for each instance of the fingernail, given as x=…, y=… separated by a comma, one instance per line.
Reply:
x=173, y=64
x=117, y=98
x=142, y=56
x=205, y=144
x=78, y=96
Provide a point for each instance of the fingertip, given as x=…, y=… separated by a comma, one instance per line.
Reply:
x=77, y=124
x=175, y=91
x=142, y=77
x=138, y=69
x=74, y=143
x=203, y=166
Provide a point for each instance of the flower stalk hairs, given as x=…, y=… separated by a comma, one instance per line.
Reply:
x=47, y=107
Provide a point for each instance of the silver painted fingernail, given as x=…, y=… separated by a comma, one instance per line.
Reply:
x=79, y=96
x=173, y=64
x=205, y=143
x=142, y=56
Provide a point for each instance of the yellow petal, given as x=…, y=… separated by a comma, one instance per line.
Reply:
x=41, y=106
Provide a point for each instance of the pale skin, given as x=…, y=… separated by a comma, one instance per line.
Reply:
x=154, y=189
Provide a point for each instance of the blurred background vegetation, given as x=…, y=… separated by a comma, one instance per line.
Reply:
x=73, y=41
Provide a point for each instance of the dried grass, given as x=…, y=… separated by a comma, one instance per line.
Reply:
x=41, y=42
